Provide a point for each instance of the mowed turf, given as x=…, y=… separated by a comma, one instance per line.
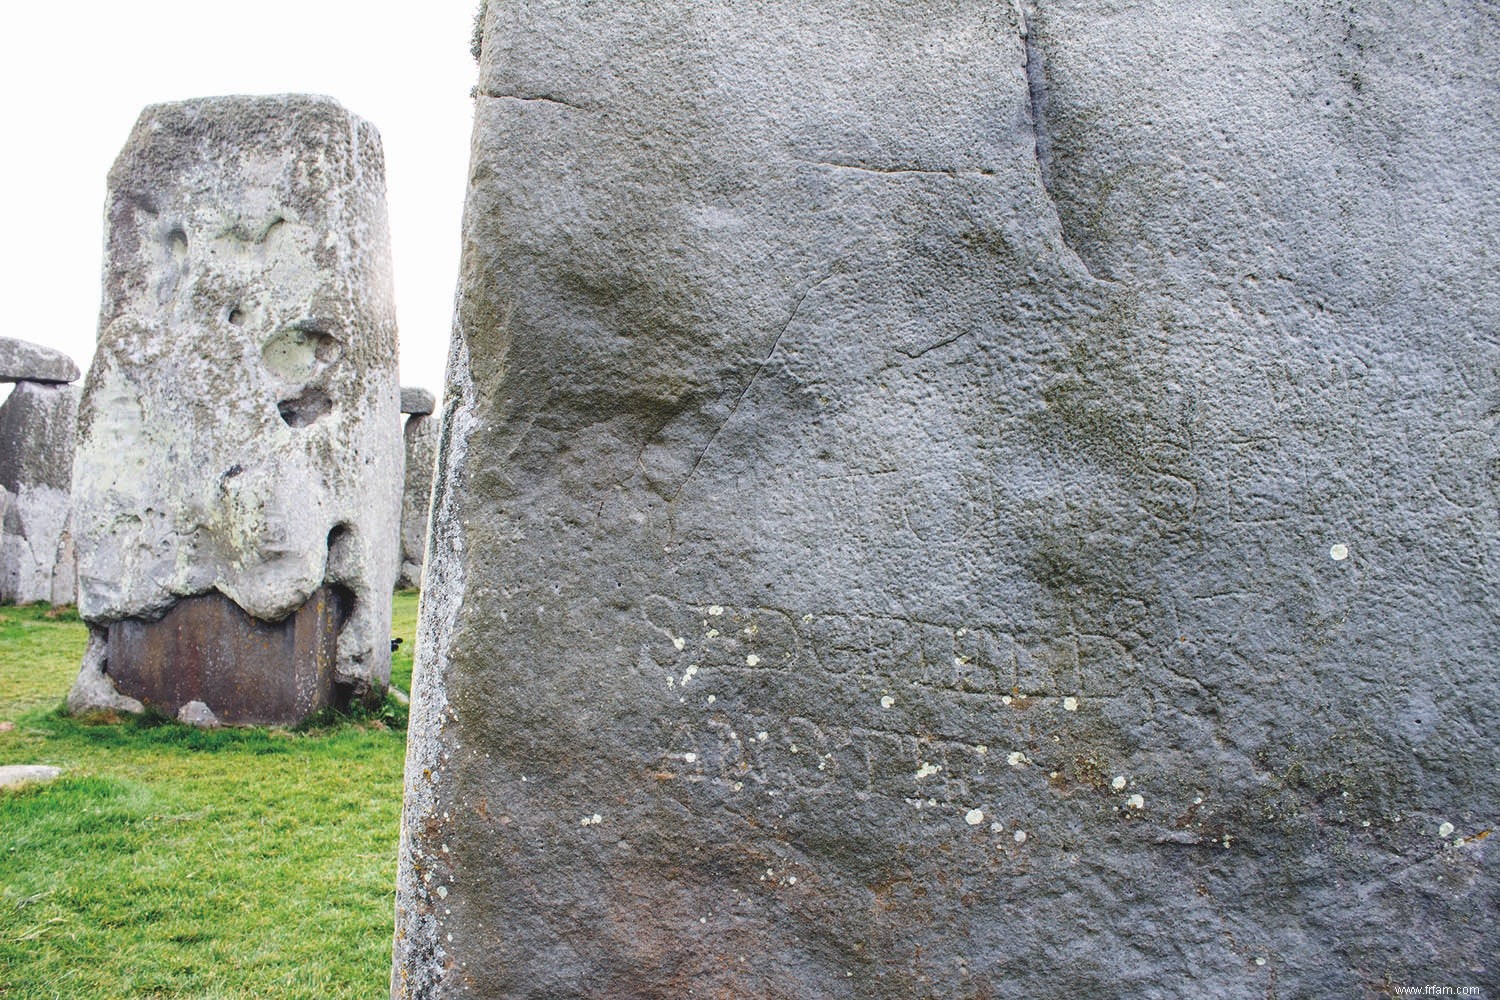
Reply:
x=173, y=862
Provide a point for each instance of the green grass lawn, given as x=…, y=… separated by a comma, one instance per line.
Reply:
x=174, y=862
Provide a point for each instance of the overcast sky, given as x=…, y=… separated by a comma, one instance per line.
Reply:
x=75, y=75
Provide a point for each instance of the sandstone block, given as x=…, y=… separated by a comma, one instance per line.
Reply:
x=37, y=433
x=962, y=500
x=416, y=401
x=421, y=435
x=23, y=361
x=239, y=426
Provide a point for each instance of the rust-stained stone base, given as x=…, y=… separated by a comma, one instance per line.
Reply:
x=248, y=671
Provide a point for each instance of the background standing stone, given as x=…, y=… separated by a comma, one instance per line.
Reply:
x=239, y=439
x=37, y=432
x=964, y=500
x=420, y=434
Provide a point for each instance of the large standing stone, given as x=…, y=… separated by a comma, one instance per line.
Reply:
x=944, y=501
x=239, y=440
x=37, y=431
x=420, y=433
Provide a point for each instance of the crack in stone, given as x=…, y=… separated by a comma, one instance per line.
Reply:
x=764, y=361
x=897, y=171
x=1034, y=68
x=534, y=99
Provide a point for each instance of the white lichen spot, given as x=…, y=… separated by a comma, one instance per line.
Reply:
x=927, y=770
x=981, y=750
x=678, y=643
x=1446, y=830
x=791, y=880
x=974, y=817
x=1015, y=759
x=1070, y=704
x=712, y=699
x=442, y=892
x=959, y=661
x=690, y=673
x=1260, y=960
x=762, y=736
x=739, y=786
x=1119, y=783
x=690, y=757
x=1005, y=699
x=1338, y=552
x=713, y=633
x=715, y=610
x=1020, y=836
x=997, y=827
x=1136, y=801
x=752, y=660
x=887, y=701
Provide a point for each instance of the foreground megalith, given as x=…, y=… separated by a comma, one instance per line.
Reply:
x=956, y=500
x=236, y=486
x=37, y=432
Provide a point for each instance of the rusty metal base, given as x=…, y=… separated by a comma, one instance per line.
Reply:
x=249, y=672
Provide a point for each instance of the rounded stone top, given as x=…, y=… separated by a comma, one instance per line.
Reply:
x=23, y=361
x=418, y=402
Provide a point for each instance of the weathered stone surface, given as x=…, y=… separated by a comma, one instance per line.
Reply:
x=239, y=428
x=416, y=401
x=942, y=500
x=421, y=434
x=23, y=361
x=207, y=651
x=37, y=432
x=17, y=775
x=196, y=713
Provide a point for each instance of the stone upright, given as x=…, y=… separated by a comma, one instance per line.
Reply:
x=37, y=432
x=236, y=486
x=962, y=500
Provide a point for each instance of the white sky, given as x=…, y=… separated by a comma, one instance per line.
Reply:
x=76, y=73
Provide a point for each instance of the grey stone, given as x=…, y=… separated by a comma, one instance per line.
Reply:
x=37, y=432
x=418, y=402
x=18, y=775
x=23, y=361
x=421, y=435
x=239, y=426
x=196, y=713
x=952, y=500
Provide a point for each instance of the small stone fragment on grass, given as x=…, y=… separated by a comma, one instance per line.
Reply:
x=17, y=775
x=196, y=713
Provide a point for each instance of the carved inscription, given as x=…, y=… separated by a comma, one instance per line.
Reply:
x=768, y=702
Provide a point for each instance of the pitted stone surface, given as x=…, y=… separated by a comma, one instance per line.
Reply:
x=23, y=361
x=962, y=500
x=421, y=434
x=37, y=433
x=239, y=430
x=416, y=401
